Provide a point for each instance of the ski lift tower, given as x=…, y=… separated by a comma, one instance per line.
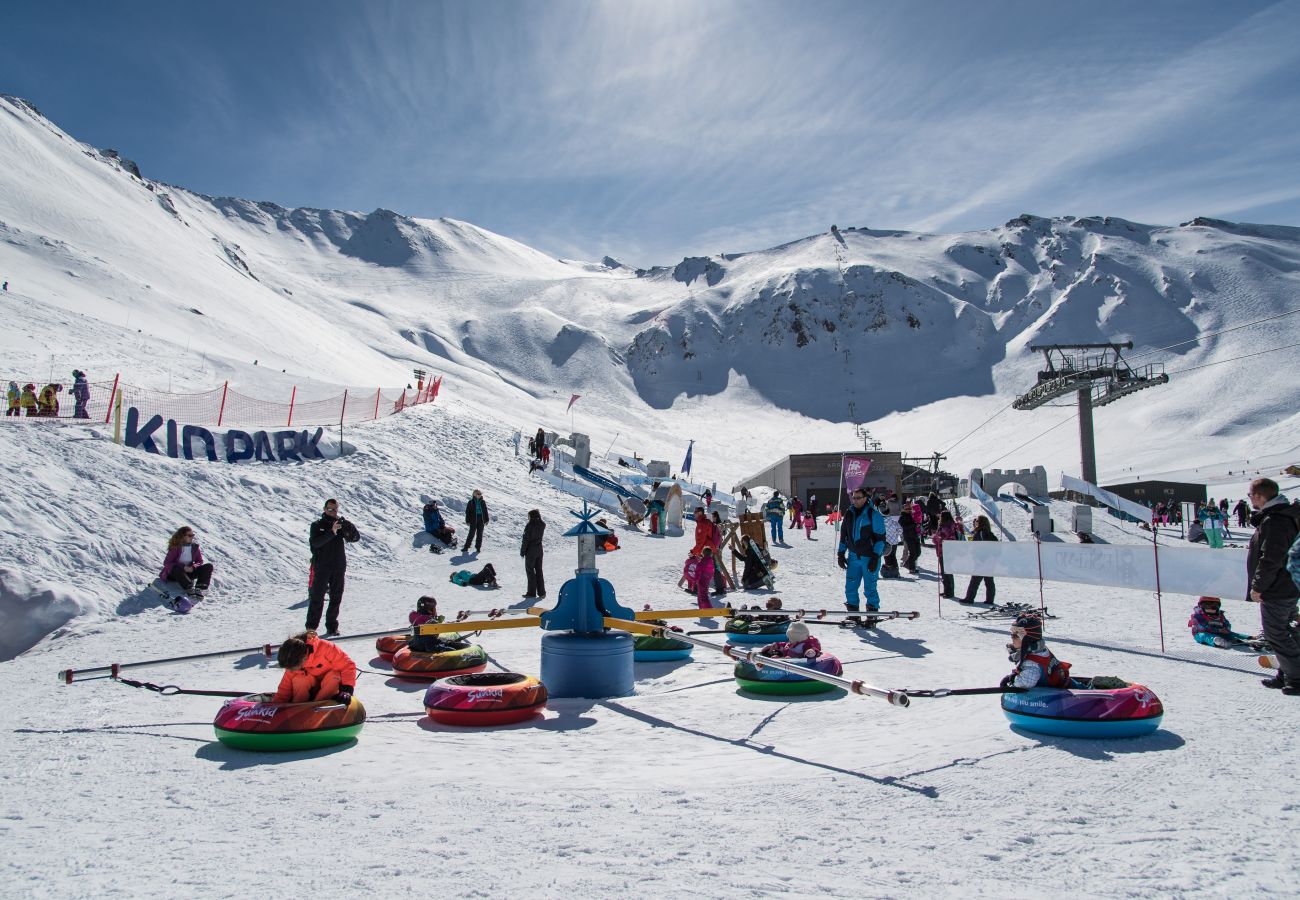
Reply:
x=1097, y=374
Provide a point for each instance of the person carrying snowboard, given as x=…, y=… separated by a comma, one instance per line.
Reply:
x=862, y=543
x=315, y=669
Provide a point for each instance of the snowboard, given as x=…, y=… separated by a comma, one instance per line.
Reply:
x=766, y=571
x=172, y=595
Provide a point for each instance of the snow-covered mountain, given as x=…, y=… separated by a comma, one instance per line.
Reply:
x=921, y=335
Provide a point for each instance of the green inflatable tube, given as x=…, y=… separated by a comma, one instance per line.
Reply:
x=278, y=742
x=785, y=687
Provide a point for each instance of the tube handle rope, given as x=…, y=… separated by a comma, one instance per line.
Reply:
x=963, y=692
x=170, y=690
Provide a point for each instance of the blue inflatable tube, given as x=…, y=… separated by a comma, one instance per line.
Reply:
x=1130, y=711
x=742, y=637
x=660, y=655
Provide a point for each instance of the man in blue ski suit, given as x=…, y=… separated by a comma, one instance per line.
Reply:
x=774, y=509
x=862, y=543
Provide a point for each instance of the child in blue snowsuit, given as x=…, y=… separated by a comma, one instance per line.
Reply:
x=862, y=544
x=1211, y=627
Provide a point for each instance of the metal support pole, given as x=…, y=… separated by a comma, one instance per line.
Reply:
x=1087, y=445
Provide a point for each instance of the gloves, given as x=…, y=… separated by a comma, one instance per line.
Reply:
x=810, y=653
x=343, y=696
x=842, y=560
x=1006, y=681
x=873, y=563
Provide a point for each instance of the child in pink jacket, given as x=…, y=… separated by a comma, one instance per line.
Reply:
x=704, y=578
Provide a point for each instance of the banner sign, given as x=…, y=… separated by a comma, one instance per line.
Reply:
x=1114, y=501
x=1183, y=570
x=236, y=446
x=855, y=472
x=990, y=506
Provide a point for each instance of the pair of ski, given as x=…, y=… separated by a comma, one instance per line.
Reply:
x=1008, y=611
x=870, y=619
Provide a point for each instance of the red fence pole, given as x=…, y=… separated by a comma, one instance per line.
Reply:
x=221, y=412
x=292, y=396
x=111, y=394
x=377, y=390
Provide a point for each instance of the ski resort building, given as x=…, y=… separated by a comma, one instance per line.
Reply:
x=804, y=475
x=1157, y=491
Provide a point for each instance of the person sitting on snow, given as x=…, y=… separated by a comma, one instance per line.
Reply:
x=607, y=541
x=315, y=669
x=1035, y=666
x=184, y=564
x=1211, y=627
x=435, y=525
x=798, y=644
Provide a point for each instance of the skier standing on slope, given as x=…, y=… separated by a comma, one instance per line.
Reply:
x=862, y=543
x=1277, y=523
x=329, y=565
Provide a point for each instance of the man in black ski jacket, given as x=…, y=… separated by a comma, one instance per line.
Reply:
x=476, y=516
x=911, y=539
x=1277, y=523
x=329, y=563
x=531, y=550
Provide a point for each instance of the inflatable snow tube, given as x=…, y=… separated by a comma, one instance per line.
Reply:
x=389, y=644
x=489, y=698
x=769, y=680
x=254, y=723
x=653, y=649
x=460, y=658
x=1129, y=711
x=743, y=630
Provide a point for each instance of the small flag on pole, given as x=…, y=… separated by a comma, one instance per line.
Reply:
x=855, y=471
x=686, y=466
x=572, y=400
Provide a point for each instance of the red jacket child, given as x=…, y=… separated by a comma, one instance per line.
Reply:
x=323, y=672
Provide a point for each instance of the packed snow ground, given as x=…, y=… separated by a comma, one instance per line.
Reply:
x=686, y=786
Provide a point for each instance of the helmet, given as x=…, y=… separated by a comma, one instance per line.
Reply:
x=796, y=633
x=426, y=606
x=1209, y=602
x=30, y=387
x=1031, y=623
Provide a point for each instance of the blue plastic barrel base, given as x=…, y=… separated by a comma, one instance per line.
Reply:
x=592, y=665
x=1081, y=728
x=662, y=655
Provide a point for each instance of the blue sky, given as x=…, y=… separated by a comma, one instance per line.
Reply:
x=654, y=130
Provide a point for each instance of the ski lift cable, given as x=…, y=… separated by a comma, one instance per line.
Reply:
x=1234, y=359
x=978, y=427
x=1032, y=439
x=1201, y=337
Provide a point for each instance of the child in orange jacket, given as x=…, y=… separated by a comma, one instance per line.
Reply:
x=315, y=669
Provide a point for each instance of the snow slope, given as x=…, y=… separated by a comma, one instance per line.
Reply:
x=922, y=336
x=686, y=786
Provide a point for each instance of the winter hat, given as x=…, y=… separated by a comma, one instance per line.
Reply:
x=77, y=373
x=797, y=633
x=1032, y=624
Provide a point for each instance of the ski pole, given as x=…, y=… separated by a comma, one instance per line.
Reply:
x=756, y=658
